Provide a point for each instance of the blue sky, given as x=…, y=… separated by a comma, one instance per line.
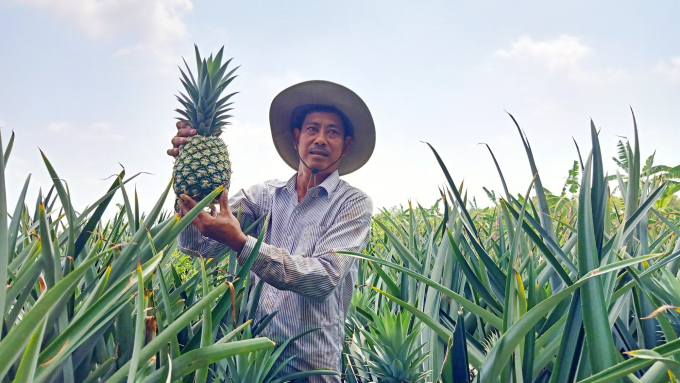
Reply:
x=92, y=84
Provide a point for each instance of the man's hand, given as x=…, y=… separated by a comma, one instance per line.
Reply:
x=222, y=227
x=184, y=130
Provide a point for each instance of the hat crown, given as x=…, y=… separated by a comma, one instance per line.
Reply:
x=320, y=92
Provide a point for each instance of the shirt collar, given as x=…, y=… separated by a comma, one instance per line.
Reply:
x=331, y=183
x=328, y=185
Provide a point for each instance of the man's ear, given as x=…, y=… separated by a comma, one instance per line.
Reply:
x=347, y=145
x=296, y=138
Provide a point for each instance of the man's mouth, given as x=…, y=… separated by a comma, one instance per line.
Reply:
x=319, y=152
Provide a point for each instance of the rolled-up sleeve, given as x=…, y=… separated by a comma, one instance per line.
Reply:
x=245, y=203
x=316, y=277
x=191, y=242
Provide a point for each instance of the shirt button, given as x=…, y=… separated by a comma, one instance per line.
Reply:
x=290, y=237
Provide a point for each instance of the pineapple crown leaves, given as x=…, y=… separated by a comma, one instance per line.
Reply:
x=389, y=340
x=203, y=109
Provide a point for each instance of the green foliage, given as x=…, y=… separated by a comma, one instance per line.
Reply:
x=582, y=286
x=183, y=264
x=576, y=287
x=390, y=351
x=94, y=301
x=571, y=184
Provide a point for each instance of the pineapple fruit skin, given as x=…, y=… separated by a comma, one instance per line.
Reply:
x=201, y=166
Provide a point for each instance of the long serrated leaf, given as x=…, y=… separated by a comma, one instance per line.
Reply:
x=7, y=151
x=461, y=205
x=206, y=331
x=140, y=326
x=50, y=260
x=195, y=359
x=125, y=258
x=598, y=192
x=487, y=316
x=600, y=344
x=459, y=366
x=23, y=280
x=29, y=361
x=494, y=271
x=499, y=356
x=629, y=366
x=667, y=222
x=171, y=331
x=65, y=200
x=399, y=245
x=169, y=316
x=472, y=278
x=14, y=342
x=548, y=246
x=4, y=235
x=500, y=174
x=391, y=286
x=530, y=338
x=101, y=370
x=16, y=219
x=571, y=344
x=82, y=325
x=132, y=223
x=641, y=212
x=540, y=194
x=437, y=327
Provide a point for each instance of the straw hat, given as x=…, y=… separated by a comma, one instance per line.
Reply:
x=294, y=100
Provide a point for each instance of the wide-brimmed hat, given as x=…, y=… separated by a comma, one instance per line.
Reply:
x=322, y=93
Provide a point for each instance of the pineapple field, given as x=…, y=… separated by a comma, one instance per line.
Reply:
x=577, y=286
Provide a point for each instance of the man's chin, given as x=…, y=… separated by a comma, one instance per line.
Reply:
x=318, y=165
x=318, y=162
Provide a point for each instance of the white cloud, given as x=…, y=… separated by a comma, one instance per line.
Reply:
x=102, y=131
x=97, y=132
x=563, y=53
x=59, y=127
x=670, y=69
x=156, y=24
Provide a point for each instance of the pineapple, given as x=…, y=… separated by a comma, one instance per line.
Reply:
x=203, y=162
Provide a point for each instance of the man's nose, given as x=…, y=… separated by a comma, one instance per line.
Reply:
x=320, y=138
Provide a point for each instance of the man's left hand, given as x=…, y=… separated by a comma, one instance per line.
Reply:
x=222, y=227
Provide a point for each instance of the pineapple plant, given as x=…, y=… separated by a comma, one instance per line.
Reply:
x=611, y=316
x=391, y=351
x=203, y=162
x=89, y=300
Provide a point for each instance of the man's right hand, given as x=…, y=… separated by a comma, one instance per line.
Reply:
x=184, y=130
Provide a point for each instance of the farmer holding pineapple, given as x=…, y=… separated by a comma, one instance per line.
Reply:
x=323, y=131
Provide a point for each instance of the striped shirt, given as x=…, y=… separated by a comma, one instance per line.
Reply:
x=308, y=284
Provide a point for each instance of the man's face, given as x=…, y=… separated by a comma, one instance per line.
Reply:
x=321, y=141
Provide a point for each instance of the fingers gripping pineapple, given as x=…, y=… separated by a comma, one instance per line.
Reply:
x=203, y=162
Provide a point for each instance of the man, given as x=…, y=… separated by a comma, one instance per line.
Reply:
x=322, y=130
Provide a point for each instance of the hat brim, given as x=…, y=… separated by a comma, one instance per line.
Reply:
x=322, y=93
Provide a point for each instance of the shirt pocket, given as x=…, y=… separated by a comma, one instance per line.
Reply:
x=310, y=237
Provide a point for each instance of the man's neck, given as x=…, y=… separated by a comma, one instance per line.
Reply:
x=303, y=179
